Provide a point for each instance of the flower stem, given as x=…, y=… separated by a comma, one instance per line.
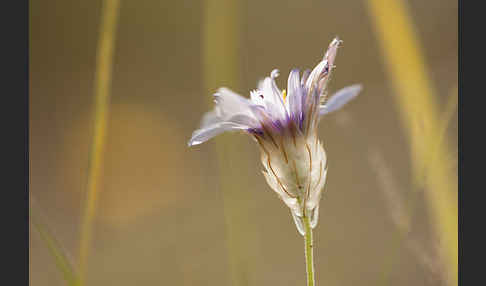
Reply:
x=309, y=256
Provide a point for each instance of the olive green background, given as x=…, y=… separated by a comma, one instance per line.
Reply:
x=161, y=212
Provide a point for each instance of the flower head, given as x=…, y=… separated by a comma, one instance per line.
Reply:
x=284, y=124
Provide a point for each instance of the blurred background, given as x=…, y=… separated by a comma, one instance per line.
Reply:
x=167, y=214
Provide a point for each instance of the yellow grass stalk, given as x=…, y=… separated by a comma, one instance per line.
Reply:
x=62, y=260
x=419, y=111
x=221, y=66
x=102, y=89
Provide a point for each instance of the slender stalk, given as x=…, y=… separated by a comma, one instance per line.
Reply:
x=59, y=253
x=221, y=66
x=419, y=109
x=309, y=252
x=104, y=58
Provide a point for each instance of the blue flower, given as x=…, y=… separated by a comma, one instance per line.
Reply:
x=284, y=124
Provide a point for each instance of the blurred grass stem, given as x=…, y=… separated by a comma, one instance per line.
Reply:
x=102, y=88
x=221, y=67
x=55, y=248
x=419, y=109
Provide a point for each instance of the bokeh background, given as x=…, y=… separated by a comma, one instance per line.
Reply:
x=167, y=214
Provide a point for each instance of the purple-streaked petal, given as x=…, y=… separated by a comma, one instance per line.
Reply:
x=320, y=74
x=321, y=70
x=263, y=117
x=303, y=80
x=294, y=94
x=340, y=98
x=305, y=76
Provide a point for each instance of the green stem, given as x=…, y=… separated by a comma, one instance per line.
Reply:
x=309, y=256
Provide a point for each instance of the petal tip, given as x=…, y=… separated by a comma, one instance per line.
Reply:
x=357, y=88
x=191, y=143
x=275, y=73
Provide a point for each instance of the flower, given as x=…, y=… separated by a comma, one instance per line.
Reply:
x=284, y=124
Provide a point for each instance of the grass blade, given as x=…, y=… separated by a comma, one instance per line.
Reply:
x=221, y=67
x=61, y=259
x=104, y=58
x=419, y=110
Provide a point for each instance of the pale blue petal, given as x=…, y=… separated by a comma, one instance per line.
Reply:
x=305, y=76
x=340, y=98
x=317, y=73
x=202, y=135
x=294, y=93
